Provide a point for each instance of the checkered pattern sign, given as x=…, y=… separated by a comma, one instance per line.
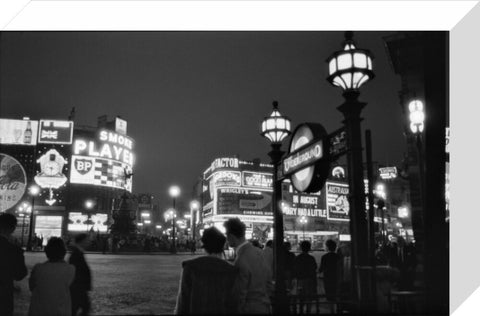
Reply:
x=99, y=171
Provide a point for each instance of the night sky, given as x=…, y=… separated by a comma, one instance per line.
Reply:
x=190, y=97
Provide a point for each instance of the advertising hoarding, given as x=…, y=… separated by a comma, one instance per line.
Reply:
x=106, y=160
x=257, y=180
x=55, y=132
x=338, y=207
x=243, y=202
x=303, y=204
x=120, y=126
x=99, y=171
x=79, y=222
x=18, y=132
x=13, y=182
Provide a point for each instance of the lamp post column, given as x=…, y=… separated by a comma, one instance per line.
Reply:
x=30, y=227
x=351, y=110
x=280, y=305
x=174, y=246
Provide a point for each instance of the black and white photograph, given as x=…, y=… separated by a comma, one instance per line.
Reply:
x=160, y=172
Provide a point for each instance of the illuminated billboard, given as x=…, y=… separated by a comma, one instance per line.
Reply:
x=55, y=132
x=18, y=132
x=303, y=204
x=257, y=179
x=78, y=222
x=338, y=207
x=13, y=181
x=242, y=201
x=104, y=161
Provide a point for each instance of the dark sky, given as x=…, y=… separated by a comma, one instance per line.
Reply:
x=190, y=97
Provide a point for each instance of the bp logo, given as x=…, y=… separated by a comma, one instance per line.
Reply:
x=83, y=166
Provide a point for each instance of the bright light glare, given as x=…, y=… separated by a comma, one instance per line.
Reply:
x=34, y=190
x=174, y=191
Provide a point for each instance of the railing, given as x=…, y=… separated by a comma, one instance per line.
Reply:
x=317, y=304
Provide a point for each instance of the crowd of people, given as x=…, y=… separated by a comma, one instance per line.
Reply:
x=58, y=287
x=210, y=284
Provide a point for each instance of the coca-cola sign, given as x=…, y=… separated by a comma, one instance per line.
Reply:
x=13, y=182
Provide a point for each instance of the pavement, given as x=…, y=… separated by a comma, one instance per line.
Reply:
x=123, y=284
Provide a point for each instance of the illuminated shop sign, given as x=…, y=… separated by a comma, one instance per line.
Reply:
x=105, y=161
x=224, y=163
x=13, y=181
x=55, y=132
x=120, y=126
x=242, y=201
x=338, y=207
x=226, y=178
x=18, y=132
x=388, y=173
x=303, y=204
x=257, y=180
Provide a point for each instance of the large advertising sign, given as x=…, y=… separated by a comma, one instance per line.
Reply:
x=80, y=222
x=18, y=132
x=226, y=178
x=13, y=182
x=105, y=161
x=55, y=132
x=244, y=202
x=301, y=204
x=257, y=180
x=338, y=207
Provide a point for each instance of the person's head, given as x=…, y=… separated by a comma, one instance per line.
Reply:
x=81, y=240
x=269, y=244
x=287, y=245
x=55, y=249
x=8, y=223
x=235, y=231
x=401, y=241
x=305, y=246
x=256, y=243
x=213, y=240
x=331, y=245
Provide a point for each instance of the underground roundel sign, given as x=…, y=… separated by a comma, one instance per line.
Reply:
x=307, y=163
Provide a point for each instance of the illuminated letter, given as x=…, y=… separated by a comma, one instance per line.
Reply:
x=91, y=149
x=103, y=136
x=106, y=152
x=112, y=137
x=80, y=145
x=118, y=152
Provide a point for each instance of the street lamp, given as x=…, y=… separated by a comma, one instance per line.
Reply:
x=34, y=190
x=89, y=204
x=276, y=128
x=194, y=207
x=417, y=119
x=23, y=210
x=171, y=215
x=349, y=69
x=304, y=221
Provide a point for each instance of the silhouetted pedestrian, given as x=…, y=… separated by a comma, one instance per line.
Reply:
x=305, y=271
x=12, y=263
x=207, y=282
x=254, y=277
x=289, y=263
x=82, y=283
x=330, y=267
x=50, y=282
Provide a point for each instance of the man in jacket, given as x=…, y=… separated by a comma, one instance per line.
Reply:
x=82, y=283
x=207, y=282
x=253, y=280
x=12, y=263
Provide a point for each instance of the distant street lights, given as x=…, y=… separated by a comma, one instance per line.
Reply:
x=304, y=221
x=349, y=69
x=23, y=210
x=34, y=190
x=276, y=128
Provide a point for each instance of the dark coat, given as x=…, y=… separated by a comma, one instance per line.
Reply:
x=206, y=287
x=12, y=267
x=83, y=278
x=330, y=266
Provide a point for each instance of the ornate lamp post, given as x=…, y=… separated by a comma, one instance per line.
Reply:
x=276, y=128
x=194, y=207
x=349, y=69
x=34, y=190
x=89, y=204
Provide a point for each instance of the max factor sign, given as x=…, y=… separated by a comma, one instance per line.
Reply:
x=303, y=158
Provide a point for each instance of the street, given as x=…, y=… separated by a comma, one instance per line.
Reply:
x=122, y=284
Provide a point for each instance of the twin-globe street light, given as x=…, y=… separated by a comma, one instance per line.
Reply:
x=34, y=190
